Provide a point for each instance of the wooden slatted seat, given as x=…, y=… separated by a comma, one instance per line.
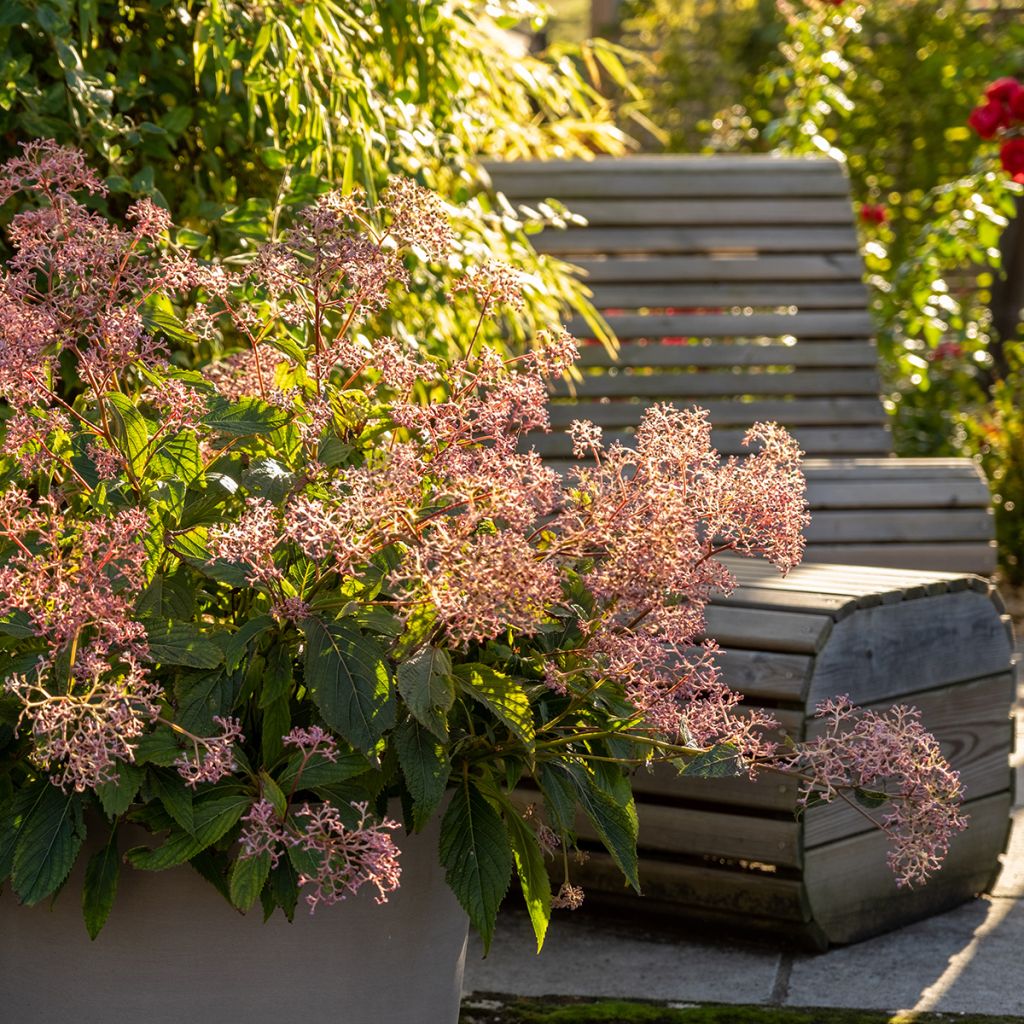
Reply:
x=733, y=852
x=735, y=283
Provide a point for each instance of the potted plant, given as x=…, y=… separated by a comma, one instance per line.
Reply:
x=255, y=610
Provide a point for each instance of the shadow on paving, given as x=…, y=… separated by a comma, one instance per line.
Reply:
x=484, y=1009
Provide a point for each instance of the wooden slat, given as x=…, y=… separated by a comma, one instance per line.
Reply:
x=760, y=630
x=673, y=164
x=966, y=558
x=852, y=891
x=913, y=494
x=738, y=893
x=769, y=793
x=839, y=324
x=972, y=723
x=644, y=211
x=858, y=470
x=818, y=354
x=710, y=239
x=849, y=295
x=693, y=385
x=644, y=270
x=818, y=440
x=725, y=413
x=884, y=652
x=897, y=526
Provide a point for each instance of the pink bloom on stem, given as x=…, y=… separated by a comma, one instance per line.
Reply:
x=213, y=757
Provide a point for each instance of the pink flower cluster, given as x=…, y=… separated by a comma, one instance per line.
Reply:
x=889, y=752
x=212, y=758
x=345, y=858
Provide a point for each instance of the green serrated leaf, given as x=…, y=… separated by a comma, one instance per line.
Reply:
x=178, y=458
x=532, y=871
x=476, y=856
x=426, y=685
x=236, y=645
x=47, y=845
x=246, y=417
x=213, y=817
x=158, y=747
x=176, y=796
x=116, y=797
x=202, y=697
x=559, y=794
x=101, y=877
x=276, y=723
x=721, y=761
x=277, y=676
x=284, y=887
x=426, y=768
x=350, y=682
x=132, y=430
x=181, y=643
x=319, y=771
x=614, y=819
x=502, y=695
x=248, y=876
x=273, y=792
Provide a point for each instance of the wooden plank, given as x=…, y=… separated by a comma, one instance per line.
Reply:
x=840, y=324
x=672, y=164
x=799, y=632
x=798, y=382
x=692, y=832
x=806, y=353
x=895, y=493
x=819, y=440
x=898, y=526
x=891, y=650
x=835, y=605
x=849, y=295
x=568, y=186
x=966, y=558
x=766, y=675
x=973, y=725
x=769, y=793
x=644, y=270
x=644, y=210
x=710, y=239
x=739, y=893
x=892, y=468
x=853, y=894
x=724, y=413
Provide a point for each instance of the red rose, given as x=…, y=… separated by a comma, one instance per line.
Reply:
x=1003, y=90
x=987, y=120
x=1016, y=106
x=1011, y=156
x=873, y=213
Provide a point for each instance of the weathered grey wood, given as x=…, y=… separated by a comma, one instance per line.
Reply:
x=766, y=675
x=892, y=650
x=799, y=632
x=710, y=239
x=849, y=295
x=929, y=494
x=966, y=558
x=738, y=892
x=691, y=832
x=768, y=794
x=974, y=729
x=853, y=895
x=777, y=599
x=652, y=211
x=885, y=527
x=643, y=270
x=840, y=324
x=890, y=468
x=672, y=385
x=684, y=356
x=866, y=440
x=726, y=413
x=673, y=164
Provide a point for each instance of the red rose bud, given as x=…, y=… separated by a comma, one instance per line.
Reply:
x=873, y=213
x=987, y=120
x=1003, y=90
x=1011, y=156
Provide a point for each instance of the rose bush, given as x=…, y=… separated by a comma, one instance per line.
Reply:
x=245, y=604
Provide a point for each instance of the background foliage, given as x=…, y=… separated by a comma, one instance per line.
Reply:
x=204, y=102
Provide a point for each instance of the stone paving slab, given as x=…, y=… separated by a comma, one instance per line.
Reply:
x=965, y=960
x=583, y=957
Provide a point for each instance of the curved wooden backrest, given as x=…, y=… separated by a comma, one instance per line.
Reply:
x=733, y=283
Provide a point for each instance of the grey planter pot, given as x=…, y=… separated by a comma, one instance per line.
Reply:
x=174, y=951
